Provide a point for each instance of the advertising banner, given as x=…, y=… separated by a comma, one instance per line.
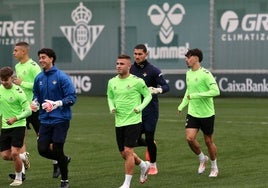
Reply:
x=238, y=85
x=241, y=35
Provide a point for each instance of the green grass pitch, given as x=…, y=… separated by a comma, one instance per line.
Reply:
x=240, y=135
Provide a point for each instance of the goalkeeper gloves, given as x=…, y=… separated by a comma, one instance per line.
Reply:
x=35, y=105
x=155, y=90
x=49, y=105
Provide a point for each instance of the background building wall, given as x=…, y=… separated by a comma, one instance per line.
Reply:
x=87, y=38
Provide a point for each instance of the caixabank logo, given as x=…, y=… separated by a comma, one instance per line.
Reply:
x=82, y=36
x=247, y=27
x=166, y=17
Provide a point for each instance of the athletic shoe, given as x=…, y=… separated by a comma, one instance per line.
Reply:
x=56, y=168
x=13, y=176
x=202, y=166
x=56, y=171
x=26, y=161
x=144, y=172
x=64, y=184
x=124, y=186
x=153, y=170
x=213, y=173
x=16, y=183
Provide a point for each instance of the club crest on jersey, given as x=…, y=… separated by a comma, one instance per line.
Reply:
x=54, y=82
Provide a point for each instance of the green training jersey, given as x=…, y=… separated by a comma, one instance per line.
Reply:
x=27, y=72
x=13, y=103
x=201, y=88
x=125, y=95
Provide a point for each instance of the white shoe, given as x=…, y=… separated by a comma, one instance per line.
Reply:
x=124, y=186
x=213, y=173
x=202, y=166
x=16, y=183
x=144, y=172
x=26, y=161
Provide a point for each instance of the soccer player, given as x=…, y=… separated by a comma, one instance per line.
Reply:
x=201, y=88
x=14, y=108
x=124, y=95
x=54, y=90
x=154, y=79
x=26, y=71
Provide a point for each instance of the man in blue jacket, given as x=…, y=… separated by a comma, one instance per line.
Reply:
x=154, y=79
x=53, y=89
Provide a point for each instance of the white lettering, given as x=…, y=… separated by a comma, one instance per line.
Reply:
x=167, y=52
x=17, y=28
x=81, y=83
x=179, y=84
x=248, y=86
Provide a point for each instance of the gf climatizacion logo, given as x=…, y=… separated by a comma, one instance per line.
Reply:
x=248, y=27
x=82, y=36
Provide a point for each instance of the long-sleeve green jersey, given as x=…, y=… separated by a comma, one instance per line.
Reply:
x=125, y=95
x=13, y=103
x=201, y=88
x=27, y=72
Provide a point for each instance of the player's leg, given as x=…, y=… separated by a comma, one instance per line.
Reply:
x=150, y=123
x=208, y=129
x=17, y=138
x=191, y=129
x=58, y=139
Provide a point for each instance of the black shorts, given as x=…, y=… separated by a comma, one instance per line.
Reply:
x=205, y=124
x=127, y=136
x=12, y=137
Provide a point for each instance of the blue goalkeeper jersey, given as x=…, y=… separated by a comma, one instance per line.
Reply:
x=153, y=77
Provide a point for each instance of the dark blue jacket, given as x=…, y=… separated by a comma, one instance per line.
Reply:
x=153, y=77
x=54, y=85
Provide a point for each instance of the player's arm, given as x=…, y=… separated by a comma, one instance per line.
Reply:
x=27, y=111
x=144, y=90
x=110, y=99
x=213, y=90
x=34, y=72
x=162, y=83
x=184, y=103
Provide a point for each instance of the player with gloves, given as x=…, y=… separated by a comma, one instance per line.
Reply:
x=54, y=94
x=154, y=79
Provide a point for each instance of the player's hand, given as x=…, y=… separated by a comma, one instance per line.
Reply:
x=113, y=111
x=10, y=121
x=179, y=113
x=155, y=90
x=136, y=110
x=17, y=81
x=49, y=105
x=35, y=105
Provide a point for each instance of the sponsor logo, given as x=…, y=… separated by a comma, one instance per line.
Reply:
x=12, y=32
x=82, y=36
x=81, y=83
x=250, y=27
x=248, y=85
x=166, y=17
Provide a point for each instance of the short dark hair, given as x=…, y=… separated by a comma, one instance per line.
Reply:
x=22, y=43
x=141, y=46
x=195, y=52
x=124, y=56
x=6, y=72
x=49, y=52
